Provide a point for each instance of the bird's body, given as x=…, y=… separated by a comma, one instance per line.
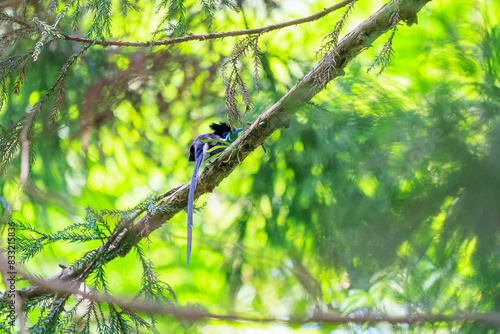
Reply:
x=199, y=145
x=199, y=153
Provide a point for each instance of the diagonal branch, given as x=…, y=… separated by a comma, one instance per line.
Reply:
x=277, y=116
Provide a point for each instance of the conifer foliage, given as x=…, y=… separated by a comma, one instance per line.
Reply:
x=356, y=223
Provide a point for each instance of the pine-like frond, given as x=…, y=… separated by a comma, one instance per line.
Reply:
x=232, y=79
x=117, y=322
x=209, y=9
x=174, y=21
x=101, y=23
x=328, y=52
x=8, y=66
x=384, y=58
x=127, y=6
x=22, y=77
x=176, y=12
x=48, y=321
x=330, y=41
x=65, y=321
x=152, y=289
x=10, y=139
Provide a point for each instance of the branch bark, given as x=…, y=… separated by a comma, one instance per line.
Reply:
x=277, y=116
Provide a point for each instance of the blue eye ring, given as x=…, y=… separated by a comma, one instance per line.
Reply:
x=226, y=134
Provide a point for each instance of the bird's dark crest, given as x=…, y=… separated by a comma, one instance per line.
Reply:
x=221, y=128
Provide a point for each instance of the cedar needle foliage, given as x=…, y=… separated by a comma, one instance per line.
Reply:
x=328, y=51
x=59, y=311
x=174, y=20
x=384, y=58
x=376, y=198
x=232, y=78
x=331, y=40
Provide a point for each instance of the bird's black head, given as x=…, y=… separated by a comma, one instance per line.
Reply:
x=220, y=129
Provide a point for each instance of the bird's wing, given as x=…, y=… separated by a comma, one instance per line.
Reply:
x=214, y=144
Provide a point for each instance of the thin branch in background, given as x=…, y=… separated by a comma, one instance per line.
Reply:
x=66, y=289
x=200, y=37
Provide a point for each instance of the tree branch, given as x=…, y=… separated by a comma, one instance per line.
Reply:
x=204, y=37
x=193, y=314
x=277, y=116
x=10, y=3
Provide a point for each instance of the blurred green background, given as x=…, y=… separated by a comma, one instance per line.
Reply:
x=382, y=197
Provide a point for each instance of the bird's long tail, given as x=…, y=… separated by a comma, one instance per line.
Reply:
x=192, y=188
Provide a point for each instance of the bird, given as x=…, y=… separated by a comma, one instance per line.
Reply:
x=200, y=151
